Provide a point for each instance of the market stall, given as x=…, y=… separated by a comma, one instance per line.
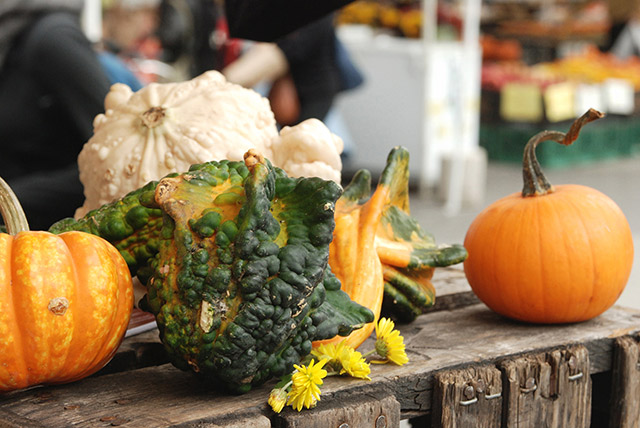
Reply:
x=227, y=272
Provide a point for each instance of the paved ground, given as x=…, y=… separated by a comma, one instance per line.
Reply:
x=619, y=179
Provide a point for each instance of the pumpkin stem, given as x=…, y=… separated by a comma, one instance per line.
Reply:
x=535, y=183
x=12, y=213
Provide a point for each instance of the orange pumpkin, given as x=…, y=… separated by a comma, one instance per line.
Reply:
x=550, y=254
x=65, y=302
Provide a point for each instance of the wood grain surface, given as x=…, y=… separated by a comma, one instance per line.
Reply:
x=140, y=389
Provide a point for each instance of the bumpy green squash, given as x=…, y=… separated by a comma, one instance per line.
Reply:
x=237, y=259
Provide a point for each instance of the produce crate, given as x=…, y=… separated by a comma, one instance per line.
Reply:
x=609, y=138
x=468, y=368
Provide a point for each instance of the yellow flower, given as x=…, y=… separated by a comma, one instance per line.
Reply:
x=277, y=399
x=305, y=380
x=389, y=344
x=354, y=364
x=330, y=352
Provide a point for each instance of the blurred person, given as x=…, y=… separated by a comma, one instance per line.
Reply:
x=303, y=70
x=208, y=34
x=128, y=39
x=52, y=85
x=304, y=33
x=194, y=36
x=128, y=24
x=313, y=68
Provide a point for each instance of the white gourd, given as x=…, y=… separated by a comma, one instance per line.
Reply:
x=164, y=128
x=308, y=149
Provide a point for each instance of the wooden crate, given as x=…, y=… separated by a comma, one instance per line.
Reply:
x=468, y=368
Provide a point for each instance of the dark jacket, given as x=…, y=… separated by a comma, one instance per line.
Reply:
x=267, y=21
x=52, y=85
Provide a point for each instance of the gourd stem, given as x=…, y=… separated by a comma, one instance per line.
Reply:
x=153, y=117
x=12, y=213
x=535, y=182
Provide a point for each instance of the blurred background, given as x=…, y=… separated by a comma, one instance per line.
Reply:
x=462, y=84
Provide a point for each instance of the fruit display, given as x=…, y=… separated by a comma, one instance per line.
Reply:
x=498, y=49
x=400, y=18
x=589, y=67
x=495, y=75
x=594, y=66
x=65, y=302
x=550, y=254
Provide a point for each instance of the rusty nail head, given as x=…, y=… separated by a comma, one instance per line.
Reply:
x=480, y=385
x=469, y=392
x=530, y=383
x=381, y=422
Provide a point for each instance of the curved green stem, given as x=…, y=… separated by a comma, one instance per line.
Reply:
x=368, y=354
x=535, y=183
x=12, y=213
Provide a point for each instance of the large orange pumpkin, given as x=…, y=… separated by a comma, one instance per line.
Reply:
x=550, y=254
x=65, y=302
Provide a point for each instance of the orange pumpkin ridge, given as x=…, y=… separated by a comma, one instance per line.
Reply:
x=65, y=302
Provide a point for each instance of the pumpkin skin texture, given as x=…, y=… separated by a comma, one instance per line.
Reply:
x=556, y=255
x=65, y=303
x=562, y=257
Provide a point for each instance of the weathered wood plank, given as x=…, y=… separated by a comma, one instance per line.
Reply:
x=259, y=421
x=162, y=396
x=11, y=420
x=452, y=290
x=551, y=390
x=439, y=341
x=373, y=410
x=625, y=388
x=468, y=397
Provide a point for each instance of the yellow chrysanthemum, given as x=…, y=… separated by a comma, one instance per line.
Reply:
x=330, y=352
x=305, y=380
x=277, y=399
x=389, y=344
x=354, y=364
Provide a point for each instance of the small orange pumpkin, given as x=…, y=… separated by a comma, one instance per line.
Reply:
x=65, y=302
x=550, y=254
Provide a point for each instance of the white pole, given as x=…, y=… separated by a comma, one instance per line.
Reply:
x=465, y=114
x=92, y=20
x=429, y=38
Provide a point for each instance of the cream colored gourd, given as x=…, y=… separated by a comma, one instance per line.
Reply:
x=308, y=149
x=165, y=128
